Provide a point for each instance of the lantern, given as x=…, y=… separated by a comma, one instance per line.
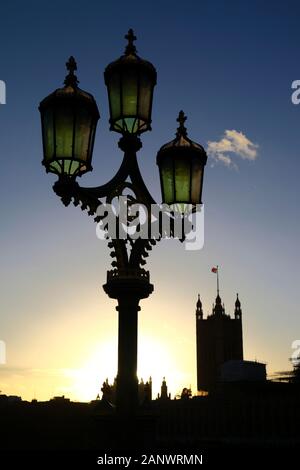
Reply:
x=69, y=119
x=181, y=165
x=130, y=81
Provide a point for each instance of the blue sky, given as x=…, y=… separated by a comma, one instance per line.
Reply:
x=229, y=66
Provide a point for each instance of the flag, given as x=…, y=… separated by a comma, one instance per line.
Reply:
x=214, y=270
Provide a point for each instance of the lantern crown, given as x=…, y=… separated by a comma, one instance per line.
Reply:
x=130, y=57
x=181, y=139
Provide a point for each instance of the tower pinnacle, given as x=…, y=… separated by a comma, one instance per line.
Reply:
x=218, y=308
x=237, y=310
x=199, y=311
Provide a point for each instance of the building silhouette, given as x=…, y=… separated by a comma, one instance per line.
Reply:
x=219, y=339
x=164, y=395
x=144, y=391
x=243, y=410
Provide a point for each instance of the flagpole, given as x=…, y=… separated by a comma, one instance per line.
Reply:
x=218, y=279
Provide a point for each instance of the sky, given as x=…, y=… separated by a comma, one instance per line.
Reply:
x=229, y=66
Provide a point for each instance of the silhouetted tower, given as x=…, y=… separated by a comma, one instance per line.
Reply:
x=164, y=391
x=219, y=339
x=145, y=391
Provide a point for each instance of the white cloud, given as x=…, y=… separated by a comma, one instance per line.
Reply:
x=226, y=160
x=236, y=144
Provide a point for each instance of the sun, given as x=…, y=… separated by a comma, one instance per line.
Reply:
x=154, y=360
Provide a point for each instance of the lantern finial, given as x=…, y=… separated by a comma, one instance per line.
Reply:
x=181, y=130
x=130, y=48
x=71, y=78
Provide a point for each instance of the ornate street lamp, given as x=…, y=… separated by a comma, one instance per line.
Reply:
x=181, y=165
x=69, y=119
x=130, y=81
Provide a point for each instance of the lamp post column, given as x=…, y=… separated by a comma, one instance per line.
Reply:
x=128, y=289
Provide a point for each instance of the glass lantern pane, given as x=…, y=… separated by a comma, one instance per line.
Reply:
x=48, y=134
x=114, y=96
x=196, y=182
x=56, y=167
x=129, y=92
x=167, y=176
x=145, y=98
x=74, y=167
x=131, y=125
x=82, y=133
x=182, y=180
x=66, y=165
x=64, y=119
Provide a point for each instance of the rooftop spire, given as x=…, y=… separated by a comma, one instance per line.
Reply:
x=130, y=48
x=218, y=308
x=237, y=310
